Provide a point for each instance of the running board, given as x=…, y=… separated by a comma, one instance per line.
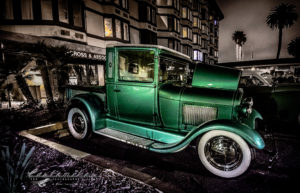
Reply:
x=127, y=138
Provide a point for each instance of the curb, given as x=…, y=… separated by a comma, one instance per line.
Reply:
x=95, y=160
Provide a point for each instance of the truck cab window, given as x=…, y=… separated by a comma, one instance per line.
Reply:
x=171, y=70
x=136, y=65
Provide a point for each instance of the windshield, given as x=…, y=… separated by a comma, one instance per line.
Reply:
x=173, y=70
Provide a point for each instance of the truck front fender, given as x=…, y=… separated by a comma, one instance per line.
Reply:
x=250, y=121
x=94, y=105
x=248, y=134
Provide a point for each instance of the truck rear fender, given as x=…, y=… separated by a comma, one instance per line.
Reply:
x=94, y=106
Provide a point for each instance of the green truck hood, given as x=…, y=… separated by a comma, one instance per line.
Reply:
x=196, y=95
x=216, y=77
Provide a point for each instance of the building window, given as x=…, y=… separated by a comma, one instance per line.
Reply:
x=199, y=40
x=126, y=31
x=63, y=11
x=171, y=43
x=211, y=28
x=77, y=13
x=198, y=56
x=108, y=30
x=153, y=16
x=8, y=12
x=173, y=24
x=203, y=28
x=125, y=4
x=27, y=11
x=195, y=38
x=147, y=13
x=184, y=12
x=46, y=9
x=118, y=29
x=195, y=22
x=203, y=13
x=215, y=22
x=195, y=56
x=184, y=32
x=211, y=51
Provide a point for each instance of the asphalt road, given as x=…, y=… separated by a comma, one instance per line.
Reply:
x=267, y=173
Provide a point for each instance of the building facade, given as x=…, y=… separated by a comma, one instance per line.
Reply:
x=87, y=26
x=188, y=26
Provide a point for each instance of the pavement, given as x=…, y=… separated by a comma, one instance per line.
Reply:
x=274, y=169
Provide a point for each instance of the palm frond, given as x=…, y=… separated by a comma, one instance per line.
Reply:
x=282, y=16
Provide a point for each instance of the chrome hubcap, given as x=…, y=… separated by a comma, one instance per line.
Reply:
x=78, y=123
x=223, y=153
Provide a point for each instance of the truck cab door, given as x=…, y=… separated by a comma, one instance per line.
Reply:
x=136, y=93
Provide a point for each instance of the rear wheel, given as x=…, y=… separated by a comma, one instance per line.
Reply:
x=79, y=123
x=223, y=153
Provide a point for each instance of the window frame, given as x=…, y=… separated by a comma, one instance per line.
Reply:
x=136, y=81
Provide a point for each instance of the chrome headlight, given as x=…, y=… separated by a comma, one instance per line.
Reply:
x=246, y=106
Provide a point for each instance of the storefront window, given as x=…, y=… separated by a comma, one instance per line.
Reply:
x=27, y=11
x=126, y=33
x=63, y=11
x=77, y=14
x=118, y=29
x=46, y=9
x=108, y=27
x=85, y=75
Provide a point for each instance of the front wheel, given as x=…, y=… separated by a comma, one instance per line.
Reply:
x=224, y=154
x=79, y=123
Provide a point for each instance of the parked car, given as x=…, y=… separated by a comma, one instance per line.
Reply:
x=278, y=103
x=147, y=102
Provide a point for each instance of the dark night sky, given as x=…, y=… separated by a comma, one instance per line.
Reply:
x=250, y=16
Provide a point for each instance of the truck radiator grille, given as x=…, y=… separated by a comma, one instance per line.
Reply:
x=195, y=115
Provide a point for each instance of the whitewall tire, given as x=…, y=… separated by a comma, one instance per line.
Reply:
x=79, y=123
x=224, y=154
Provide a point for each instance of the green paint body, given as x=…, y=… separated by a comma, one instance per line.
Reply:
x=154, y=110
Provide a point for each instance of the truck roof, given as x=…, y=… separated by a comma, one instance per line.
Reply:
x=168, y=50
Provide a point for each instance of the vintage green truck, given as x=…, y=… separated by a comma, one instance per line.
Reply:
x=148, y=102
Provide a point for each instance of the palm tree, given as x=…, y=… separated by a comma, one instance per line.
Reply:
x=53, y=59
x=15, y=65
x=294, y=47
x=239, y=37
x=282, y=16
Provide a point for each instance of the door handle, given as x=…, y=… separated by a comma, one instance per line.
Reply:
x=117, y=90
